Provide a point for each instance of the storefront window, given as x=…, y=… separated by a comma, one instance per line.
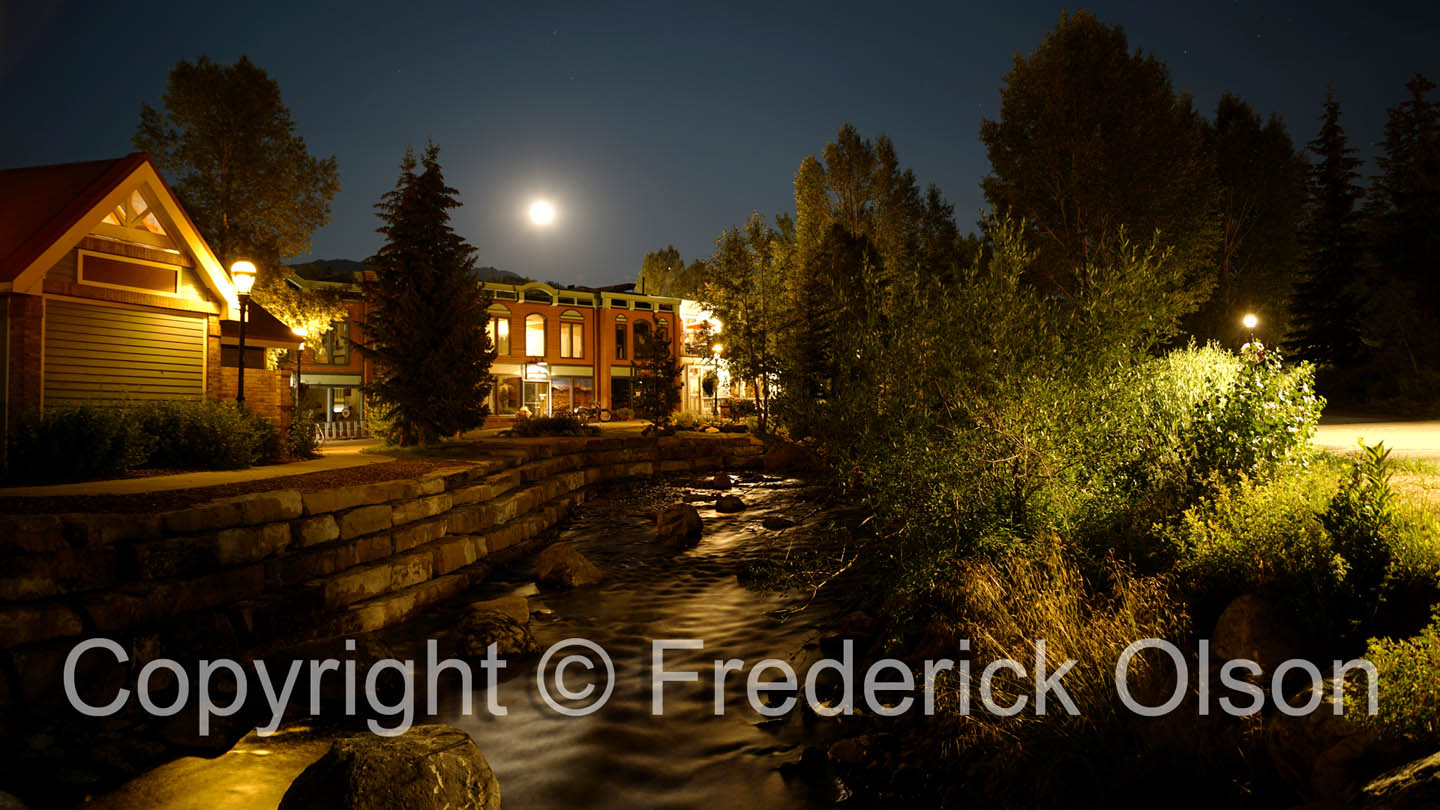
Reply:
x=583, y=391
x=507, y=395
x=560, y=394
x=620, y=392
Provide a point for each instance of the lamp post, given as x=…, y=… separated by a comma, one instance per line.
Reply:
x=1250, y=322
x=300, y=332
x=243, y=274
x=715, y=356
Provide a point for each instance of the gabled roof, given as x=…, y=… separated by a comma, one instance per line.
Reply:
x=46, y=210
x=261, y=329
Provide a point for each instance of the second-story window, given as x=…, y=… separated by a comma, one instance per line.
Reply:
x=535, y=335
x=333, y=347
x=572, y=339
x=620, y=338
x=499, y=331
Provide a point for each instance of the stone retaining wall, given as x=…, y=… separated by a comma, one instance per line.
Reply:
x=241, y=575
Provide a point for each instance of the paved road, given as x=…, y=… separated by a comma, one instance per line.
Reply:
x=1415, y=439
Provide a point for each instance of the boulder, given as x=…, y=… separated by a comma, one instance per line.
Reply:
x=790, y=458
x=776, y=523
x=678, y=525
x=515, y=606
x=563, y=566
x=481, y=626
x=729, y=503
x=427, y=768
x=8, y=802
x=1321, y=754
x=720, y=481
x=1251, y=627
x=1409, y=787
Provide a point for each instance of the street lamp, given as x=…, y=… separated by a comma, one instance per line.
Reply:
x=300, y=332
x=243, y=274
x=715, y=354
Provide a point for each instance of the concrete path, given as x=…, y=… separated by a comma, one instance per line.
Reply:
x=1412, y=439
x=339, y=460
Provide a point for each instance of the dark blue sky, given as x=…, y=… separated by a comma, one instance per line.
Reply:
x=650, y=124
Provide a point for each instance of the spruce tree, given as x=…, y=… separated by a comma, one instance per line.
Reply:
x=657, y=381
x=1326, y=302
x=426, y=327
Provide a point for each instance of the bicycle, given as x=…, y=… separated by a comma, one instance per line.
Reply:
x=588, y=413
x=319, y=436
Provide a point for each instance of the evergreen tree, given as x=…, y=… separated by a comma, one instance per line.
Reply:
x=657, y=377
x=1326, y=301
x=1405, y=217
x=1262, y=196
x=428, y=312
x=1092, y=142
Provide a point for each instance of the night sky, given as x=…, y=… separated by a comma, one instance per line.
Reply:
x=653, y=124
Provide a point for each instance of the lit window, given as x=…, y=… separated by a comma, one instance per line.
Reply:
x=499, y=331
x=572, y=340
x=535, y=335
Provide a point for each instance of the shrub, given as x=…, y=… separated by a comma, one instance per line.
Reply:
x=688, y=420
x=207, y=435
x=561, y=424
x=1363, y=522
x=78, y=444
x=1409, y=704
x=301, y=441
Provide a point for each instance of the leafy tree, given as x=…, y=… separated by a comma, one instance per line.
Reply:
x=657, y=377
x=1091, y=139
x=1262, y=194
x=1324, y=303
x=745, y=290
x=426, y=329
x=664, y=272
x=1405, y=216
x=226, y=143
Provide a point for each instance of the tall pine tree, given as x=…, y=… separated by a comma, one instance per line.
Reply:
x=1326, y=301
x=426, y=328
x=1405, y=217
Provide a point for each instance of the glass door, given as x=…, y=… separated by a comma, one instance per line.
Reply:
x=537, y=397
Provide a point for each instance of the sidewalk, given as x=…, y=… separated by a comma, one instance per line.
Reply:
x=1413, y=439
x=193, y=480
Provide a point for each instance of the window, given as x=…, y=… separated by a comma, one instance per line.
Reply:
x=667, y=307
x=620, y=392
x=535, y=335
x=642, y=304
x=507, y=395
x=642, y=335
x=333, y=347
x=572, y=339
x=620, y=338
x=504, y=295
x=538, y=296
x=499, y=331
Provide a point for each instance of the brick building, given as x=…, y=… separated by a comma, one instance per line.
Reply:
x=108, y=294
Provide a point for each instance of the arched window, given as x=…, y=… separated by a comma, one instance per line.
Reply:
x=535, y=335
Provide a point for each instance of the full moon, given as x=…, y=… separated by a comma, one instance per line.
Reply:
x=542, y=212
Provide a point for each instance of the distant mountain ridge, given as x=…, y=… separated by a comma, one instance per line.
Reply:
x=345, y=270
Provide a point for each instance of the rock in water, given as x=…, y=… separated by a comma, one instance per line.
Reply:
x=776, y=523
x=1416, y=786
x=482, y=626
x=729, y=503
x=721, y=481
x=679, y=526
x=515, y=606
x=563, y=566
x=432, y=767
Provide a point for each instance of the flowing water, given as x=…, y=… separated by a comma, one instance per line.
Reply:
x=622, y=755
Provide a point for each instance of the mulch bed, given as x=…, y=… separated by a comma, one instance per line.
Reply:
x=180, y=498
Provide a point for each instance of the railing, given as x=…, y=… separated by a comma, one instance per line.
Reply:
x=344, y=430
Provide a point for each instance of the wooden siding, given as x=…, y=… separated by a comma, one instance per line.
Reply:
x=107, y=355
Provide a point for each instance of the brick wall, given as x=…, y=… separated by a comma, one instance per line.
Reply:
x=267, y=392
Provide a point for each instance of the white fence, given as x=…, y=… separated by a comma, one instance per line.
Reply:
x=344, y=430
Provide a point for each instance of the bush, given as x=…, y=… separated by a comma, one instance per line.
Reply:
x=301, y=441
x=207, y=435
x=78, y=444
x=1409, y=705
x=688, y=420
x=561, y=424
x=1364, y=523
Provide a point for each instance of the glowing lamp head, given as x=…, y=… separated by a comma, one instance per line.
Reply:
x=1250, y=321
x=542, y=212
x=242, y=273
x=717, y=349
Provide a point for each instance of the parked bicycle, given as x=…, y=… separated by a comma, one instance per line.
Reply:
x=594, y=413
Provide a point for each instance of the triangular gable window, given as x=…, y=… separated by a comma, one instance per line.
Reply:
x=133, y=220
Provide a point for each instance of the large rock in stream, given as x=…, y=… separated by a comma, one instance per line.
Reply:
x=1409, y=787
x=563, y=566
x=679, y=526
x=434, y=767
x=504, y=622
